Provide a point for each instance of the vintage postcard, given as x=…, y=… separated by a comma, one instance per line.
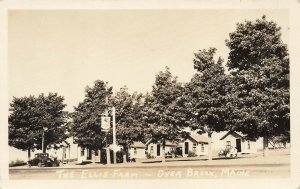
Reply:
x=141, y=95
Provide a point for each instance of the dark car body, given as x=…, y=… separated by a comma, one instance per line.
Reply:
x=43, y=160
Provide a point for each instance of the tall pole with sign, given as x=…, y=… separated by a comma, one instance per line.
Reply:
x=114, y=134
x=107, y=125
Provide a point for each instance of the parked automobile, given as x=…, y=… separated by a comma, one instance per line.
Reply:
x=170, y=154
x=43, y=160
x=228, y=153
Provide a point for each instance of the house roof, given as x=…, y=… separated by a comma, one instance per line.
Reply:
x=138, y=144
x=199, y=138
x=233, y=133
x=168, y=143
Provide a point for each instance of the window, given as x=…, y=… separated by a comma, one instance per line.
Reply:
x=134, y=151
x=248, y=145
x=228, y=144
x=96, y=153
x=202, y=147
x=194, y=147
x=82, y=151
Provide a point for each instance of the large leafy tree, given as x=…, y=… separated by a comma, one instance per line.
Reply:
x=86, y=127
x=207, y=95
x=163, y=114
x=259, y=65
x=31, y=117
x=129, y=117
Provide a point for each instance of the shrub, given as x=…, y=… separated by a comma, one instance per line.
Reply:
x=17, y=163
x=192, y=154
x=120, y=156
x=149, y=156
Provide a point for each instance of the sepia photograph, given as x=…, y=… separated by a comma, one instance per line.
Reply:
x=148, y=94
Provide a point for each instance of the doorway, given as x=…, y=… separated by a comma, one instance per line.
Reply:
x=89, y=154
x=238, y=145
x=186, y=148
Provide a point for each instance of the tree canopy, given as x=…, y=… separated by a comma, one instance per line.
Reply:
x=87, y=116
x=259, y=65
x=31, y=116
x=253, y=42
x=207, y=94
x=129, y=124
x=163, y=115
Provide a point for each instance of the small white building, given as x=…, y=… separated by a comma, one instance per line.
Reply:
x=155, y=149
x=195, y=143
x=137, y=150
x=85, y=155
x=67, y=150
x=238, y=141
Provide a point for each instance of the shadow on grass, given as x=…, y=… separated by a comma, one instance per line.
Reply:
x=84, y=163
x=148, y=162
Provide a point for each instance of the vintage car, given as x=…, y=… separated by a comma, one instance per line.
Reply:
x=228, y=153
x=43, y=160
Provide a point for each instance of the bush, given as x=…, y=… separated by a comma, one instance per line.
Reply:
x=149, y=156
x=120, y=156
x=17, y=163
x=192, y=154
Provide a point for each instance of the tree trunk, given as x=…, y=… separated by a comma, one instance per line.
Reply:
x=94, y=156
x=29, y=154
x=115, y=156
x=63, y=155
x=100, y=155
x=69, y=153
x=125, y=153
x=107, y=154
x=163, y=150
x=265, y=146
x=209, y=146
x=45, y=147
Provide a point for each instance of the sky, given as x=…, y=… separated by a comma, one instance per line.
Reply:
x=63, y=51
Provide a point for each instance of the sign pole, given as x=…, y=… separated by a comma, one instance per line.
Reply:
x=107, y=145
x=114, y=134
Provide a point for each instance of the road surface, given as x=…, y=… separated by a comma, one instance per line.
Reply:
x=276, y=165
